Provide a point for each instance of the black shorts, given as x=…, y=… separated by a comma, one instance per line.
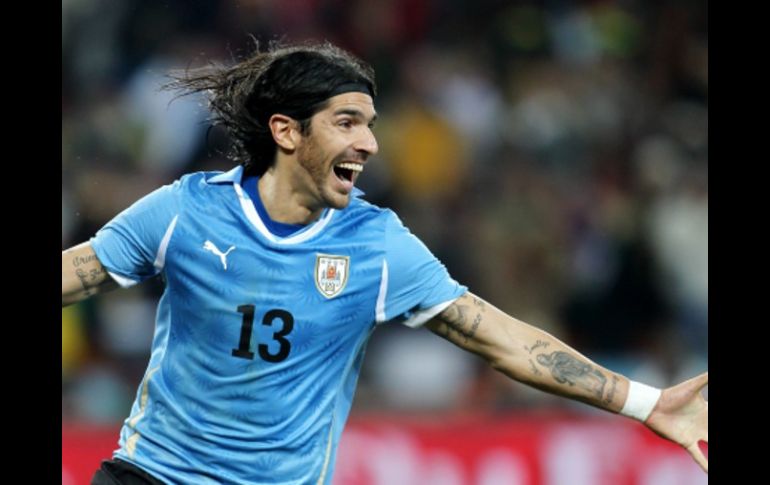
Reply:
x=119, y=472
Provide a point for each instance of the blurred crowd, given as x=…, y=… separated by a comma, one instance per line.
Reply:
x=554, y=155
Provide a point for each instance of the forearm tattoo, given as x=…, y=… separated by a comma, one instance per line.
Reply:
x=537, y=345
x=566, y=369
x=535, y=370
x=611, y=394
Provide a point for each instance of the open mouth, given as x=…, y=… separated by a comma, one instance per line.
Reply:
x=346, y=171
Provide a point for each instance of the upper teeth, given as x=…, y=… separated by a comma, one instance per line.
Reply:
x=356, y=167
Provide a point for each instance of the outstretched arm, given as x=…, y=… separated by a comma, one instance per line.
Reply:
x=82, y=275
x=534, y=357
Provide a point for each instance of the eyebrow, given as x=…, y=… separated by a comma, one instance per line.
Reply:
x=354, y=112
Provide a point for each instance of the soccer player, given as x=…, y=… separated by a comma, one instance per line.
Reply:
x=276, y=274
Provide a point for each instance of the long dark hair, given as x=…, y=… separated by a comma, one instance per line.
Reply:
x=292, y=79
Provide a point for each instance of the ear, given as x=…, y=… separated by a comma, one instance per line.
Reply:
x=285, y=131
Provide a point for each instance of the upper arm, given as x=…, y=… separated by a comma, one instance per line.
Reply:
x=133, y=245
x=479, y=327
x=128, y=249
x=415, y=285
x=82, y=274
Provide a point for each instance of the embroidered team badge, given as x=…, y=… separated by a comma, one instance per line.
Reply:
x=331, y=274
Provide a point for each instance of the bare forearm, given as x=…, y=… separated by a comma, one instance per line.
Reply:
x=545, y=362
x=528, y=354
x=82, y=275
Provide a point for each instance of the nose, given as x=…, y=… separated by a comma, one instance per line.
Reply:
x=367, y=143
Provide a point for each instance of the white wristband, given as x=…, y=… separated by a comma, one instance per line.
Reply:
x=640, y=401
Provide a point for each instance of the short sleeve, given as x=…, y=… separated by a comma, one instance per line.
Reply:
x=132, y=246
x=415, y=285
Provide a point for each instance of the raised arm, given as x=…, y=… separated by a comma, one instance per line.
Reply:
x=82, y=275
x=534, y=357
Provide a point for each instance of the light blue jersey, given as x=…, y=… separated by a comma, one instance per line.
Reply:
x=259, y=339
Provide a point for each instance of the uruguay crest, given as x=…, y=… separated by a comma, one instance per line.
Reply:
x=331, y=274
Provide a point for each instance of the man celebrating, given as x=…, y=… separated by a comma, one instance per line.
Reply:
x=276, y=275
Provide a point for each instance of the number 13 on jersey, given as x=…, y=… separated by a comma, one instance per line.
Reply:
x=284, y=326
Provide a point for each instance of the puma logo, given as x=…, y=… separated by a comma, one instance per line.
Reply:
x=209, y=246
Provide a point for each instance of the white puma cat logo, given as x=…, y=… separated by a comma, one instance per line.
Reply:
x=209, y=246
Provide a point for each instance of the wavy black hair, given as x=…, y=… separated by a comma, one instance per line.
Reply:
x=291, y=79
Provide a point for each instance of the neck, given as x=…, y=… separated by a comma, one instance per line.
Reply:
x=285, y=201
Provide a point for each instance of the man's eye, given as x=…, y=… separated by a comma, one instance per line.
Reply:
x=346, y=123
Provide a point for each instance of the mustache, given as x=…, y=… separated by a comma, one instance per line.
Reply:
x=352, y=156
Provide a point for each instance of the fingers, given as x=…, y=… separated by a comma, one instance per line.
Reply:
x=697, y=454
x=702, y=381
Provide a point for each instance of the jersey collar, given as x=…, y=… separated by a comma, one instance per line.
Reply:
x=233, y=176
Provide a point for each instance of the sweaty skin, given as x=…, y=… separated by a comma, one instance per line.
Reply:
x=302, y=182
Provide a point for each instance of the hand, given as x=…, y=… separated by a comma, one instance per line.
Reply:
x=682, y=416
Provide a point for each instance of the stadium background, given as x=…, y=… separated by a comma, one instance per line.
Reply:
x=553, y=154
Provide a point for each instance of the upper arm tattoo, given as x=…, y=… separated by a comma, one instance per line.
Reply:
x=81, y=260
x=462, y=319
x=89, y=271
x=83, y=275
x=92, y=278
